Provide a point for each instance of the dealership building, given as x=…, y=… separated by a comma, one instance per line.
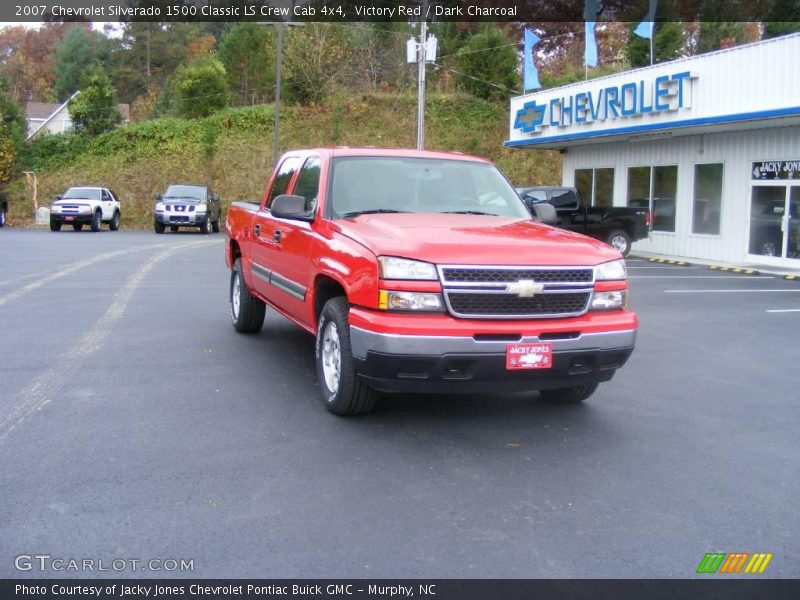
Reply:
x=710, y=144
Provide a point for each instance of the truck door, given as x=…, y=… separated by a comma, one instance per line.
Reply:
x=569, y=209
x=262, y=249
x=293, y=250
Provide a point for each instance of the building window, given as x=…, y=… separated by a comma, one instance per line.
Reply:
x=707, y=198
x=66, y=125
x=596, y=186
x=655, y=188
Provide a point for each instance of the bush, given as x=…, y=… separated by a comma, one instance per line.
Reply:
x=202, y=87
x=94, y=110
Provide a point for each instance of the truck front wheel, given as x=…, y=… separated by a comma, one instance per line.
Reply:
x=342, y=391
x=620, y=241
x=247, y=311
x=570, y=395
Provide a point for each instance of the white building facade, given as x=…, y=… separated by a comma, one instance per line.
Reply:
x=710, y=144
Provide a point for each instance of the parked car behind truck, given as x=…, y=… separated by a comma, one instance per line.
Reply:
x=424, y=272
x=617, y=226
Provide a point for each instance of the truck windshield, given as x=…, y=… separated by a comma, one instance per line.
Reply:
x=190, y=193
x=82, y=193
x=364, y=185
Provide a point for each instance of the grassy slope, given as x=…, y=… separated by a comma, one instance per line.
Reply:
x=141, y=159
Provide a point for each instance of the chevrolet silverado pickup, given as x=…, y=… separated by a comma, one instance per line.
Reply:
x=618, y=226
x=424, y=272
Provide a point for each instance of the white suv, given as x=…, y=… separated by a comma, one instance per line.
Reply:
x=83, y=205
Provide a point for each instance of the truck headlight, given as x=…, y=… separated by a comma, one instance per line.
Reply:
x=611, y=271
x=609, y=300
x=160, y=207
x=55, y=209
x=201, y=208
x=411, y=301
x=393, y=267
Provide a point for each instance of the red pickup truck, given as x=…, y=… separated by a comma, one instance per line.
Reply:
x=424, y=272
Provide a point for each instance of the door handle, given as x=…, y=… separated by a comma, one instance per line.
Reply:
x=257, y=230
x=276, y=237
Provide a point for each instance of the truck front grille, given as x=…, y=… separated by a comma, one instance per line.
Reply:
x=510, y=275
x=498, y=292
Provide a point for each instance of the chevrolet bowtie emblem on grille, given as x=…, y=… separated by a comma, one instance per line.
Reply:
x=525, y=288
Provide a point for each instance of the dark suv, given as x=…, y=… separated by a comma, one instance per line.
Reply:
x=187, y=205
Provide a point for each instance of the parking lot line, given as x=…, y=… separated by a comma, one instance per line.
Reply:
x=664, y=267
x=728, y=291
x=783, y=310
x=699, y=277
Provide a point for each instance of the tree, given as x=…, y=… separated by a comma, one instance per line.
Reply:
x=26, y=58
x=315, y=58
x=79, y=52
x=247, y=52
x=669, y=41
x=784, y=17
x=12, y=133
x=488, y=65
x=94, y=110
x=201, y=86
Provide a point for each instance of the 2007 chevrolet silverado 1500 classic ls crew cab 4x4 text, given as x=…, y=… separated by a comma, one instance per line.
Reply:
x=424, y=272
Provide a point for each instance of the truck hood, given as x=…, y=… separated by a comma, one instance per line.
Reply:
x=473, y=239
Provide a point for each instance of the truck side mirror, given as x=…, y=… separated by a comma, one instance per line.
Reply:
x=159, y=197
x=215, y=197
x=287, y=206
x=544, y=213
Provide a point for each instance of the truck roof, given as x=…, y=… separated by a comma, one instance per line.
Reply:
x=334, y=151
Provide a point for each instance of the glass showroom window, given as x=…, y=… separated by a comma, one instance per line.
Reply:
x=596, y=186
x=655, y=188
x=707, y=198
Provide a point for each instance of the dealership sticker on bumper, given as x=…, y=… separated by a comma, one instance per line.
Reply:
x=529, y=356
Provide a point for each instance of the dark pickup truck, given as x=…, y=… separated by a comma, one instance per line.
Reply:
x=616, y=226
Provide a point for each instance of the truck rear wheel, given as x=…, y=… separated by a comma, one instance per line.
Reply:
x=247, y=311
x=569, y=395
x=342, y=391
x=620, y=241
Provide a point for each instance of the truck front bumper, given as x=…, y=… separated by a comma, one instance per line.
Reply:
x=182, y=219
x=476, y=363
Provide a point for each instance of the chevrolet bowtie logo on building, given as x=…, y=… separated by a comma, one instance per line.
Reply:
x=525, y=288
x=529, y=117
x=721, y=562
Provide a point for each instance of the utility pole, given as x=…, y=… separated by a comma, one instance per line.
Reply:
x=276, y=129
x=423, y=34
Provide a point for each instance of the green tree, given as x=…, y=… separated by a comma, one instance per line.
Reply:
x=12, y=133
x=488, y=64
x=247, y=53
x=784, y=17
x=94, y=110
x=669, y=41
x=201, y=87
x=79, y=52
x=316, y=57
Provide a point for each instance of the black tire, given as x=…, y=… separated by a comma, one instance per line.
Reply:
x=2, y=217
x=55, y=225
x=114, y=224
x=248, y=315
x=570, y=395
x=77, y=226
x=97, y=221
x=351, y=396
x=215, y=226
x=206, y=227
x=173, y=228
x=620, y=241
x=158, y=227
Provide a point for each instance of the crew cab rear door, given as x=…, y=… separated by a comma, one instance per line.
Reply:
x=262, y=249
x=292, y=252
x=568, y=208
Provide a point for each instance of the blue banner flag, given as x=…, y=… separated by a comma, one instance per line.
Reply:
x=589, y=15
x=645, y=28
x=530, y=74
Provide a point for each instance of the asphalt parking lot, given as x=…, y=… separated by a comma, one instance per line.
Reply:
x=135, y=423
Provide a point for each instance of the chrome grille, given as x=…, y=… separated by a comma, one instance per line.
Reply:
x=482, y=292
x=495, y=275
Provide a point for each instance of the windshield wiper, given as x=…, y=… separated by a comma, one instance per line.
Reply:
x=469, y=212
x=371, y=211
